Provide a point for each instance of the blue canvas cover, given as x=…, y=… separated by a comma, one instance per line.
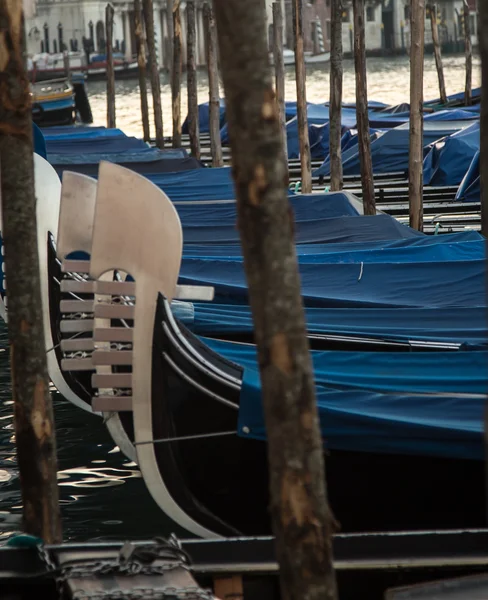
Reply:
x=142, y=155
x=374, y=285
x=469, y=189
x=104, y=145
x=449, y=325
x=331, y=230
x=449, y=159
x=389, y=150
x=400, y=403
x=204, y=116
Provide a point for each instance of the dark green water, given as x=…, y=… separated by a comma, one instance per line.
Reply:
x=102, y=493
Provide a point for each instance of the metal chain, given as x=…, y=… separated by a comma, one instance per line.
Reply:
x=186, y=593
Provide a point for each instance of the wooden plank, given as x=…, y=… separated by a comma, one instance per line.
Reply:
x=76, y=325
x=77, y=287
x=113, y=334
x=112, y=403
x=112, y=357
x=229, y=588
x=116, y=288
x=74, y=306
x=86, y=345
x=114, y=311
x=194, y=292
x=75, y=266
x=112, y=380
x=77, y=364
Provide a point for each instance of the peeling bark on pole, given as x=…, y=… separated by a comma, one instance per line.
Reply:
x=213, y=86
x=415, y=163
x=34, y=422
x=279, y=66
x=176, y=76
x=302, y=520
x=437, y=52
x=335, y=105
x=302, y=120
x=483, y=49
x=364, y=140
x=148, y=10
x=109, y=30
x=191, y=72
x=141, y=63
x=469, y=54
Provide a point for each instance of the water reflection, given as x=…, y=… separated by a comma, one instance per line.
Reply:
x=102, y=494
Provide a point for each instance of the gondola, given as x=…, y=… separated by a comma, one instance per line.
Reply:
x=178, y=399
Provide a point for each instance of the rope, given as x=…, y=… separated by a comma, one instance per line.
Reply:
x=183, y=438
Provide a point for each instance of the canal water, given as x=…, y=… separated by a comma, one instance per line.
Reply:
x=102, y=493
x=388, y=81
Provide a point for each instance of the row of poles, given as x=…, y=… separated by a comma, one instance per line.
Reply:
x=144, y=36
x=417, y=21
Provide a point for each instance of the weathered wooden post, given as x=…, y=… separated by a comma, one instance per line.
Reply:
x=483, y=49
x=176, y=76
x=33, y=411
x=335, y=103
x=191, y=73
x=437, y=52
x=213, y=86
x=468, y=49
x=148, y=10
x=364, y=138
x=141, y=63
x=415, y=163
x=279, y=66
x=66, y=65
x=109, y=29
x=302, y=119
x=302, y=521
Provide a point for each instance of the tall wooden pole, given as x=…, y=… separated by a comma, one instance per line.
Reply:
x=469, y=55
x=66, y=64
x=302, y=120
x=483, y=48
x=34, y=422
x=335, y=105
x=213, y=86
x=437, y=52
x=141, y=63
x=279, y=66
x=176, y=75
x=148, y=10
x=415, y=163
x=191, y=73
x=301, y=518
x=109, y=29
x=364, y=140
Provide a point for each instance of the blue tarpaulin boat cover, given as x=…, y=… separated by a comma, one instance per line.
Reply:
x=204, y=117
x=470, y=188
x=400, y=403
x=102, y=145
x=448, y=160
x=389, y=150
x=449, y=325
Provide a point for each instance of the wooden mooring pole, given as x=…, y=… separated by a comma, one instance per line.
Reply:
x=302, y=120
x=176, y=76
x=279, y=66
x=301, y=518
x=469, y=55
x=213, y=86
x=109, y=29
x=66, y=64
x=415, y=163
x=483, y=49
x=191, y=73
x=335, y=104
x=34, y=422
x=141, y=63
x=437, y=52
x=148, y=10
x=364, y=139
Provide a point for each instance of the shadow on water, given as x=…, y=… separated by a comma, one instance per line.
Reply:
x=102, y=493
